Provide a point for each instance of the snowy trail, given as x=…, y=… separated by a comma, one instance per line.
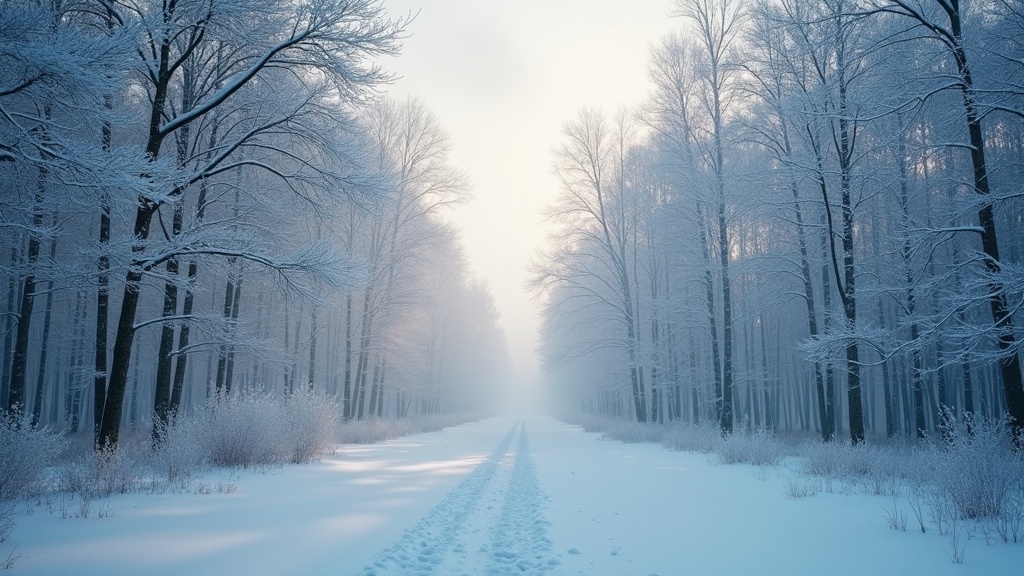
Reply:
x=495, y=498
x=520, y=537
x=491, y=523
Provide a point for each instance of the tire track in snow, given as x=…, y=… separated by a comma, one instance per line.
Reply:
x=520, y=543
x=423, y=547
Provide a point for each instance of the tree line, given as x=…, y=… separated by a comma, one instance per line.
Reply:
x=211, y=197
x=813, y=222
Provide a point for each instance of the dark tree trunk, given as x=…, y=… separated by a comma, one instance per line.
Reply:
x=312, y=347
x=287, y=369
x=229, y=375
x=1009, y=365
x=222, y=349
x=812, y=315
x=5, y=372
x=359, y=391
x=181, y=359
x=110, y=426
x=44, y=346
x=72, y=386
x=346, y=400
x=99, y=383
x=19, y=360
x=162, y=393
x=709, y=289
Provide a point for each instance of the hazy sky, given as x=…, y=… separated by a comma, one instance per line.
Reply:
x=504, y=77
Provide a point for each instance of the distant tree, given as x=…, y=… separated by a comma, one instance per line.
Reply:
x=717, y=24
x=593, y=244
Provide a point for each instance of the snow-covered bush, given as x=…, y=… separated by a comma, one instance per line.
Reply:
x=25, y=453
x=94, y=473
x=759, y=448
x=975, y=470
x=311, y=422
x=630, y=432
x=373, y=430
x=121, y=469
x=871, y=468
x=704, y=438
x=180, y=453
x=244, y=430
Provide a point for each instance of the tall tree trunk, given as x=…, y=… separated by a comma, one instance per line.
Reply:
x=812, y=315
x=848, y=291
x=312, y=347
x=99, y=383
x=1009, y=365
x=110, y=425
x=917, y=377
x=162, y=392
x=72, y=386
x=709, y=289
x=287, y=369
x=888, y=391
x=222, y=349
x=726, y=421
x=236, y=298
x=5, y=372
x=361, y=365
x=374, y=387
x=163, y=389
x=769, y=412
x=44, y=346
x=346, y=394
x=19, y=360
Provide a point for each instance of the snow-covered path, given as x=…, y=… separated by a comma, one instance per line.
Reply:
x=491, y=523
x=503, y=496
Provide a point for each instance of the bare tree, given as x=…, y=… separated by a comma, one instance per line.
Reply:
x=329, y=39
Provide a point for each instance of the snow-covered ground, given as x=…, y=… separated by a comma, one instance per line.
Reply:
x=503, y=496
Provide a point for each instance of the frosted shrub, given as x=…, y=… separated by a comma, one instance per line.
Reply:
x=25, y=453
x=976, y=470
x=634, y=432
x=180, y=453
x=94, y=473
x=244, y=430
x=836, y=459
x=310, y=421
x=875, y=469
x=759, y=448
x=119, y=470
x=704, y=438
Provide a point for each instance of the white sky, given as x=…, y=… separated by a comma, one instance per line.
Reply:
x=504, y=76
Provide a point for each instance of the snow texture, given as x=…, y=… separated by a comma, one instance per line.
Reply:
x=497, y=497
x=491, y=523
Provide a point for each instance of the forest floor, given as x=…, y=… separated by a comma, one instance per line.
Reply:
x=502, y=496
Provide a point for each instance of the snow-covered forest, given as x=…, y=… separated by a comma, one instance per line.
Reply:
x=268, y=306
x=813, y=223
x=201, y=199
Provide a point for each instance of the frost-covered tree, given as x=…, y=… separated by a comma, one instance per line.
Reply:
x=326, y=45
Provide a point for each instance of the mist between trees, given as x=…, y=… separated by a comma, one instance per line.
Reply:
x=813, y=223
x=206, y=198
